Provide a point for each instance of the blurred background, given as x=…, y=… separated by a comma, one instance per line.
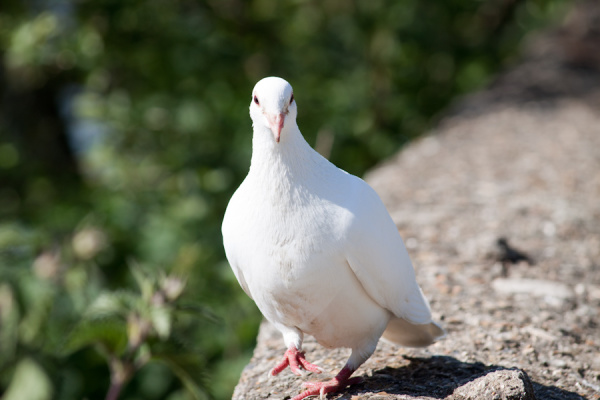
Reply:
x=124, y=130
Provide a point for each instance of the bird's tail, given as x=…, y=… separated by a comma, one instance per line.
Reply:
x=405, y=333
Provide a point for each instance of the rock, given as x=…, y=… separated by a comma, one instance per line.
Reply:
x=534, y=287
x=497, y=385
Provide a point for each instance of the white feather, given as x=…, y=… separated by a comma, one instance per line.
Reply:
x=314, y=246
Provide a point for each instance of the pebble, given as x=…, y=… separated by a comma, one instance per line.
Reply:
x=534, y=287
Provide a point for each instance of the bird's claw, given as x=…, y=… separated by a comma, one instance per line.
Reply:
x=349, y=382
x=341, y=381
x=297, y=363
x=322, y=388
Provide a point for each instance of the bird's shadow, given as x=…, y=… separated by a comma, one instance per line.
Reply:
x=438, y=377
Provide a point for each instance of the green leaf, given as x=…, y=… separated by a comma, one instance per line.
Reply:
x=112, y=304
x=197, y=310
x=110, y=333
x=38, y=296
x=188, y=371
x=144, y=281
x=161, y=321
x=9, y=323
x=29, y=382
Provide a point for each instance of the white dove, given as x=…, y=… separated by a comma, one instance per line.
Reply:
x=316, y=249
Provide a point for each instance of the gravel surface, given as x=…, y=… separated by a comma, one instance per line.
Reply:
x=519, y=163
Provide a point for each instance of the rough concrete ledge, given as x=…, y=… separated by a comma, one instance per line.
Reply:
x=519, y=161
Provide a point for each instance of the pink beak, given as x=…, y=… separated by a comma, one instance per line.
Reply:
x=276, y=124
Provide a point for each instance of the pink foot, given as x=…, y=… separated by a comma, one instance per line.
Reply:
x=296, y=361
x=341, y=381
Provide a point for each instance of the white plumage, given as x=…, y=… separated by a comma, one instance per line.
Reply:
x=316, y=249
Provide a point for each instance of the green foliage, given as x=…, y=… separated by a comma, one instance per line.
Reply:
x=108, y=333
x=26, y=372
x=124, y=130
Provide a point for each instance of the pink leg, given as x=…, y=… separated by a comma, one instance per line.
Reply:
x=295, y=359
x=338, y=383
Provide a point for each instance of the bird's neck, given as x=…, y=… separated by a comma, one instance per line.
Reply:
x=291, y=163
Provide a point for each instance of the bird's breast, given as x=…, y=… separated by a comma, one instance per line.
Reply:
x=291, y=251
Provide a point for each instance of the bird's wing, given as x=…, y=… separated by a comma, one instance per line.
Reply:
x=240, y=278
x=231, y=241
x=375, y=252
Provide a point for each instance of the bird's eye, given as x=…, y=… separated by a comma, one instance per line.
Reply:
x=292, y=99
x=256, y=100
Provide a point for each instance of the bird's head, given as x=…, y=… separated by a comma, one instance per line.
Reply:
x=273, y=106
